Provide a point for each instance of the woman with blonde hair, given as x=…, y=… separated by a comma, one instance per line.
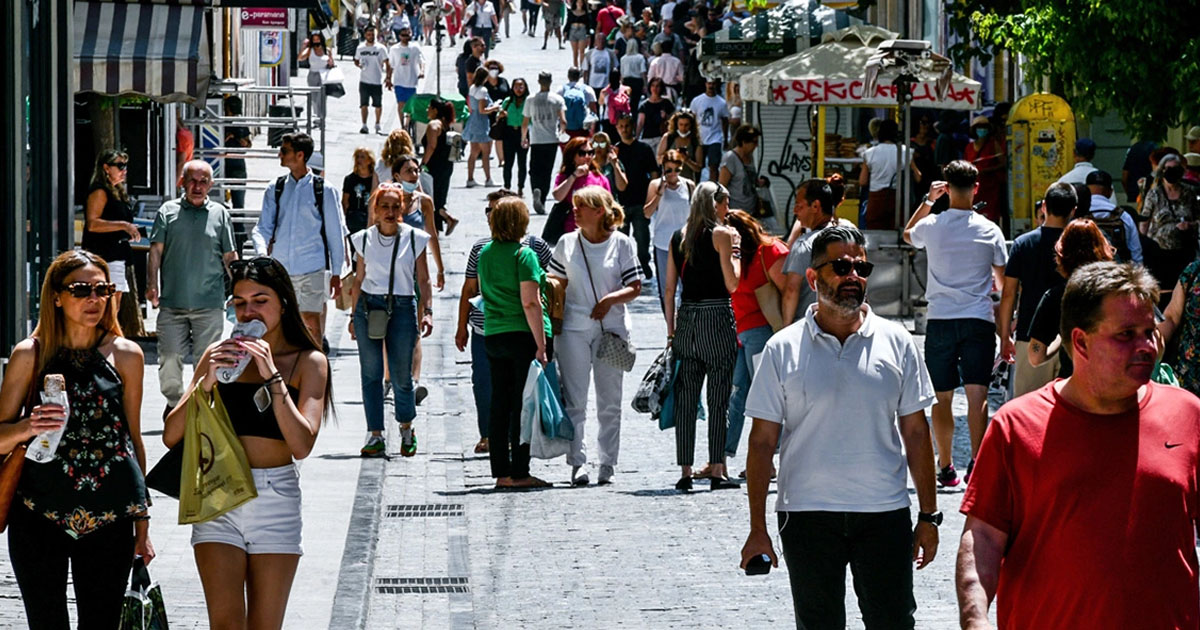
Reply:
x=682, y=136
x=357, y=188
x=602, y=273
x=397, y=145
x=88, y=507
x=703, y=335
x=247, y=557
x=517, y=331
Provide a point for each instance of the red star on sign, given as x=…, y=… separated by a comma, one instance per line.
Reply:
x=779, y=93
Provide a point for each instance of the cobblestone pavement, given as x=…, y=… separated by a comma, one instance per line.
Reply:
x=423, y=542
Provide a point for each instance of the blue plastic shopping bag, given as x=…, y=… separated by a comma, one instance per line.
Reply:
x=666, y=417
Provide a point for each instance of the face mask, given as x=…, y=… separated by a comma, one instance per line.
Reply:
x=408, y=186
x=493, y=73
x=1173, y=174
x=981, y=133
x=684, y=134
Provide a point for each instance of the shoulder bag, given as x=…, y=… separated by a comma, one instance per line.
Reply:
x=768, y=297
x=14, y=462
x=377, y=320
x=614, y=350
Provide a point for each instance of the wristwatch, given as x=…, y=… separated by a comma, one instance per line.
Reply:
x=933, y=518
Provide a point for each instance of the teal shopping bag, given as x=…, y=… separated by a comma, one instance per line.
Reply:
x=666, y=417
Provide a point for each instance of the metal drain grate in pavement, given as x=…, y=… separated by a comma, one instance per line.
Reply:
x=423, y=510
x=400, y=586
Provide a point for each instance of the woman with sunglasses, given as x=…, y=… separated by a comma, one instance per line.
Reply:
x=320, y=59
x=603, y=274
x=703, y=335
x=681, y=136
x=108, y=217
x=87, y=507
x=668, y=203
x=393, y=275
x=578, y=171
x=247, y=557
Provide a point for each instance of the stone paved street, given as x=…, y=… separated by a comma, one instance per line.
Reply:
x=424, y=542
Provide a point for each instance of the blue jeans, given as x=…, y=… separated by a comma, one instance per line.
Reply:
x=481, y=382
x=750, y=343
x=401, y=338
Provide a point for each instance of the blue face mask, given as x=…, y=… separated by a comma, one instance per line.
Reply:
x=408, y=186
x=981, y=133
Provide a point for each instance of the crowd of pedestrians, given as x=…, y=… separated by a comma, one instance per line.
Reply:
x=656, y=180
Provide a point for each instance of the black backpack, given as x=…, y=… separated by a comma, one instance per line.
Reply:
x=1114, y=230
x=319, y=194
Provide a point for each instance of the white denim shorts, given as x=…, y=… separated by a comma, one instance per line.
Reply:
x=312, y=291
x=116, y=275
x=268, y=523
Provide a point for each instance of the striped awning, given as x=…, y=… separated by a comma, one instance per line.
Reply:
x=161, y=48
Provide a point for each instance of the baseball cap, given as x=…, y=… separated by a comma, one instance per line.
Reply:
x=1099, y=178
x=1193, y=133
x=1085, y=146
x=1193, y=159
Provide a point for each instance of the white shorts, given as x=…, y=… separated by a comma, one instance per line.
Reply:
x=268, y=523
x=312, y=291
x=116, y=275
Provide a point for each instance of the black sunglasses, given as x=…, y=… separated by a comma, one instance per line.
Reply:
x=120, y=165
x=262, y=263
x=586, y=153
x=670, y=169
x=842, y=267
x=82, y=290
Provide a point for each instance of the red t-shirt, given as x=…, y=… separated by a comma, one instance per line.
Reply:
x=606, y=19
x=745, y=304
x=1100, y=511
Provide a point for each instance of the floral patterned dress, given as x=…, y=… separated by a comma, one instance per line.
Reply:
x=94, y=479
x=1188, y=362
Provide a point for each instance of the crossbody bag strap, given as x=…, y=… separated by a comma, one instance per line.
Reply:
x=392, y=273
x=28, y=408
x=588, y=266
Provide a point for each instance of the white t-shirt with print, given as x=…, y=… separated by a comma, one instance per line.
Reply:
x=614, y=264
x=407, y=62
x=709, y=111
x=371, y=57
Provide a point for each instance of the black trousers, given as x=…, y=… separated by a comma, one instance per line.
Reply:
x=635, y=94
x=878, y=547
x=638, y=226
x=513, y=149
x=100, y=563
x=541, y=165
x=509, y=356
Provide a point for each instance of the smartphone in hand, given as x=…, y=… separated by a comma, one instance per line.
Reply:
x=759, y=565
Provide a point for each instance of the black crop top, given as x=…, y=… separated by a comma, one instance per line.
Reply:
x=245, y=417
x=701, y=275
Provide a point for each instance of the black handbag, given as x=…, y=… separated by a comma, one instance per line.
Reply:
x=166, y=474
x=556, y=223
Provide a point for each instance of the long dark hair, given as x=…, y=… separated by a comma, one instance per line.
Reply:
x=519, y=100
x=100, y=178
x=444, y=111
x=754, y=237
x=271, y=274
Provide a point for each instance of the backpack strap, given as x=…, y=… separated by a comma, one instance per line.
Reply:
x=319, y=199
x=279, y=183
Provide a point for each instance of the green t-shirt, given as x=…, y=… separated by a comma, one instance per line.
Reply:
x=194, y=241
x=503, y=266
x=516, y=113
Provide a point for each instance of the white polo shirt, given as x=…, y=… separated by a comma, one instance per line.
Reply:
x=962, y=245
x=838, y=404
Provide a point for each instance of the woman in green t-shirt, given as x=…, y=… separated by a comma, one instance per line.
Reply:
x=514, y=113
x=517, y=331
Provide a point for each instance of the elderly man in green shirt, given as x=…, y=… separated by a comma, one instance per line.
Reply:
x=191, y=245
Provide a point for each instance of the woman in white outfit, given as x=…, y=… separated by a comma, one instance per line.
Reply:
x=668, y=203
x=602, y=272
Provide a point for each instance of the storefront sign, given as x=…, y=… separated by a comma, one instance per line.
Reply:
x=750, y=48
x=265, y=18
x=851, y=92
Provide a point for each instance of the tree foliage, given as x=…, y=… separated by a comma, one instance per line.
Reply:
x=1139, y=59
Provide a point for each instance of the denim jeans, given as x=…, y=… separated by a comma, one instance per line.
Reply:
x=400, y=339
x=750, y=343
x=481, y=382
x=878, y=547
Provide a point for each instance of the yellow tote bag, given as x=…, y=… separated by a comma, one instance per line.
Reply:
x=216, y=475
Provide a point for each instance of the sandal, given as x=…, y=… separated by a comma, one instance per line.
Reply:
x=703, y=473
x=481, y=446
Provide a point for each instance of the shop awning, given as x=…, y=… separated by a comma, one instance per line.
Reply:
x=160, y=49
x=834, y=73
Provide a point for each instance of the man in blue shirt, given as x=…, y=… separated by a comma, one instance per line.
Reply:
x=289, y=226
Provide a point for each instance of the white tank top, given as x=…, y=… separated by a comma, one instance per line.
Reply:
x=672, y=213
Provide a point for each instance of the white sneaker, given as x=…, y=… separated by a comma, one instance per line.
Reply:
x=489, y=184
x=471, y=183
x=364, y=129
x=606, y=475
x=577, y=478
x=379, y=131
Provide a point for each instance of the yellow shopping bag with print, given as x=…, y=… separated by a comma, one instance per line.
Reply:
x=216, y=475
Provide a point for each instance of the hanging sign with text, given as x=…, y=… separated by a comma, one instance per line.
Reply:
x=838, y=91
x=265, y=18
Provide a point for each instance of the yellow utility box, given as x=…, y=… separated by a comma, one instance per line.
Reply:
x=1041, y=143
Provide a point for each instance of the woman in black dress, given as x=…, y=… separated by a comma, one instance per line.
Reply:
x=436, y=158
x=108, y=216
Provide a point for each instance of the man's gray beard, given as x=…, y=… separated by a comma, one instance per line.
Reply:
x=843, y=304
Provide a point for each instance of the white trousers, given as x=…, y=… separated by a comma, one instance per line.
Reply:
x=575, y=351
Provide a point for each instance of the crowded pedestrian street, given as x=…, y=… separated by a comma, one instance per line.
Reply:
x=457, y=316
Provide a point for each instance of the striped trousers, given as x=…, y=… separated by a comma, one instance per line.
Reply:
x=705, y=346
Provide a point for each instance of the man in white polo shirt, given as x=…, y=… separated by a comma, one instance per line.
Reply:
x=967, y=255
x=844, y=388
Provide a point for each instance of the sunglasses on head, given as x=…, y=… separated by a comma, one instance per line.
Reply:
x=262, y=263
x=842, y=267
x=83, y=289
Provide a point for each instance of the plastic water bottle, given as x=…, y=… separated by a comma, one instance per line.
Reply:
x=45, y=445
x=252, y=329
